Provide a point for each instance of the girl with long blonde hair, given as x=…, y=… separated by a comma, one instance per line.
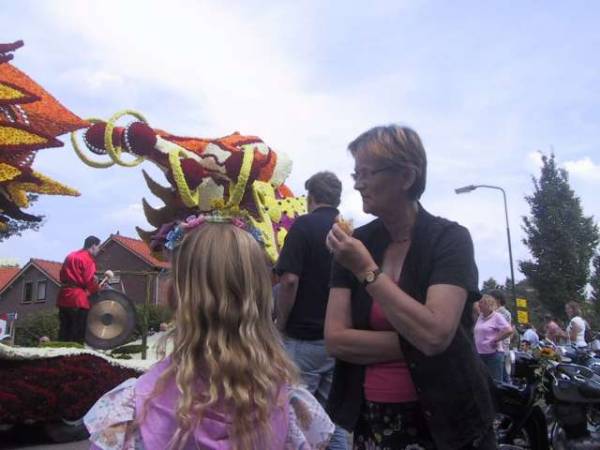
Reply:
x=228, y=383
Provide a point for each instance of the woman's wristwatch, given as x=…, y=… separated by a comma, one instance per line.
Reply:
x=370, y=276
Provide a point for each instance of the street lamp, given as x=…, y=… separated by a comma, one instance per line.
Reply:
x=472, y=187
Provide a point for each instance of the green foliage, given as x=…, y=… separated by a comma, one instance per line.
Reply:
x=150, y=317
x=17, y=227
x=490, y=285
x=595, y=282
x=128, y=349
x=560, y=238
x=60, y=344
x=32, y=327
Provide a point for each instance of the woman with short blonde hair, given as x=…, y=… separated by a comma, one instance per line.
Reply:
x=490, y=331
x=398, y=317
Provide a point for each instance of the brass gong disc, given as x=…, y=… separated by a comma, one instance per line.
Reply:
x=111, y=320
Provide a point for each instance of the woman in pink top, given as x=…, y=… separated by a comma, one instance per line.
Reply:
x=491, y=329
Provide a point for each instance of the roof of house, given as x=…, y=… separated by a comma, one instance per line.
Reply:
x=50, y=268
x=7, y=274
x=140, y=249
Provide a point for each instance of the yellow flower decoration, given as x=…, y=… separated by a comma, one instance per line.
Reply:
x=85, y=159
x=190, y=198
x=264, y=197
x=8, y=172
x=237, y=192
x=115, y=152
x=13, y=136
x=18, y=190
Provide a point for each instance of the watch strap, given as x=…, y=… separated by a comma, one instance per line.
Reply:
x=371, y=276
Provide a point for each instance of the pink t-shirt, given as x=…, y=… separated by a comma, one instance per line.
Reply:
x=388, y=382
x=487, y=329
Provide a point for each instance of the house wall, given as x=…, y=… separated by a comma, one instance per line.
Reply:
x=115, y=257
x=12, y=298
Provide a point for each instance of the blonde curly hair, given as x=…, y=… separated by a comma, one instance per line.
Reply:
x=224, y=335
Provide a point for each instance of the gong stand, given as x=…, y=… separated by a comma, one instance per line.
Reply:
x=112, y=317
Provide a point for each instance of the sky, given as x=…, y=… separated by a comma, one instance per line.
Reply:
x=487, y=85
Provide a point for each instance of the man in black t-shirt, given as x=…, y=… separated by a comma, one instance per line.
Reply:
x=304, y=268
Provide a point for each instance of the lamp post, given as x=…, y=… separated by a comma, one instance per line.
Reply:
x=472, y=187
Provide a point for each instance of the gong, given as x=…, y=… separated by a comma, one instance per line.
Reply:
x=111, y=320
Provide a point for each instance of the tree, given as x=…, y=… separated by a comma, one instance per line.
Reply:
x=15, y=227
x=560, y=238
x=595, y=292
x=595, y=281
x=491, y=284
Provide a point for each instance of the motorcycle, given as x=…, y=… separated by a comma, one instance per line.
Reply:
x=581, y=356
x=520, y=420
x=560, y=397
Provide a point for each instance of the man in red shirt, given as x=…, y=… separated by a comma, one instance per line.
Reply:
x=78, y=278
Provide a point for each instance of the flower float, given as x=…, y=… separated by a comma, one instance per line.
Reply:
x=30, y=120
x=234, y=177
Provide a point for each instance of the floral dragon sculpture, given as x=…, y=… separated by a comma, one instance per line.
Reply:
x=30, y=120
x=234, y=175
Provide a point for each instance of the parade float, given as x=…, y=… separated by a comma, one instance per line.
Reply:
x=235, y=175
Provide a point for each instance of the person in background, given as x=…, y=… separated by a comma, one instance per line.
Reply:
x=530, y=336
x=552, y=331
x=475, y=312
x=491, y=329
x=304, y=268
x=502, y=309
x=228, y=383
x=575, y=331
x=398, y=320
x=78, y=282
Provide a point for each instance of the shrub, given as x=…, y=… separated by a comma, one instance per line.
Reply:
x=59, y=344
x=32, y=327
x=149, y=317
x=127, y=350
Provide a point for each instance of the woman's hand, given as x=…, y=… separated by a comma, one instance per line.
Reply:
x=349, y=252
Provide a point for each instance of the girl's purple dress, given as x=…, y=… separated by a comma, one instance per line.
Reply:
x=298, y=422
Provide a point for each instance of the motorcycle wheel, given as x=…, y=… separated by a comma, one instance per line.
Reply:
x=533, y=435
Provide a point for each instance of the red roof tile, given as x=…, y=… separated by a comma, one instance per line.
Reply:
x=51, y=268
x=7, y=274
x=141, y=249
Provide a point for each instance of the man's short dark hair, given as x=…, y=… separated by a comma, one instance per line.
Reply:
x=90, y=241
x=324, y=187
x=498, y=295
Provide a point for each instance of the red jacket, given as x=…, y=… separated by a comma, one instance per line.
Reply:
x=77, y=276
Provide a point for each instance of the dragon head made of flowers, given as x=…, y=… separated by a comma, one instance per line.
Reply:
x=30, y=120
x=234, y=176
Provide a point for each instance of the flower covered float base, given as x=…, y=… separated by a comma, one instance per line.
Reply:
x=56, y=386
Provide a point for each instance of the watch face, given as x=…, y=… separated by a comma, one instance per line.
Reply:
x=370, y=277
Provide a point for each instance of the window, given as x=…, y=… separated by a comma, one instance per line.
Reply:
x=41, y=291
x=28, y=292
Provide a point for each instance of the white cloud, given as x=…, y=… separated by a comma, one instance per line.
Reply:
x=308, y=77
x=584, y=168
x=535, y=160
x=131, y=215
x=95, y=80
